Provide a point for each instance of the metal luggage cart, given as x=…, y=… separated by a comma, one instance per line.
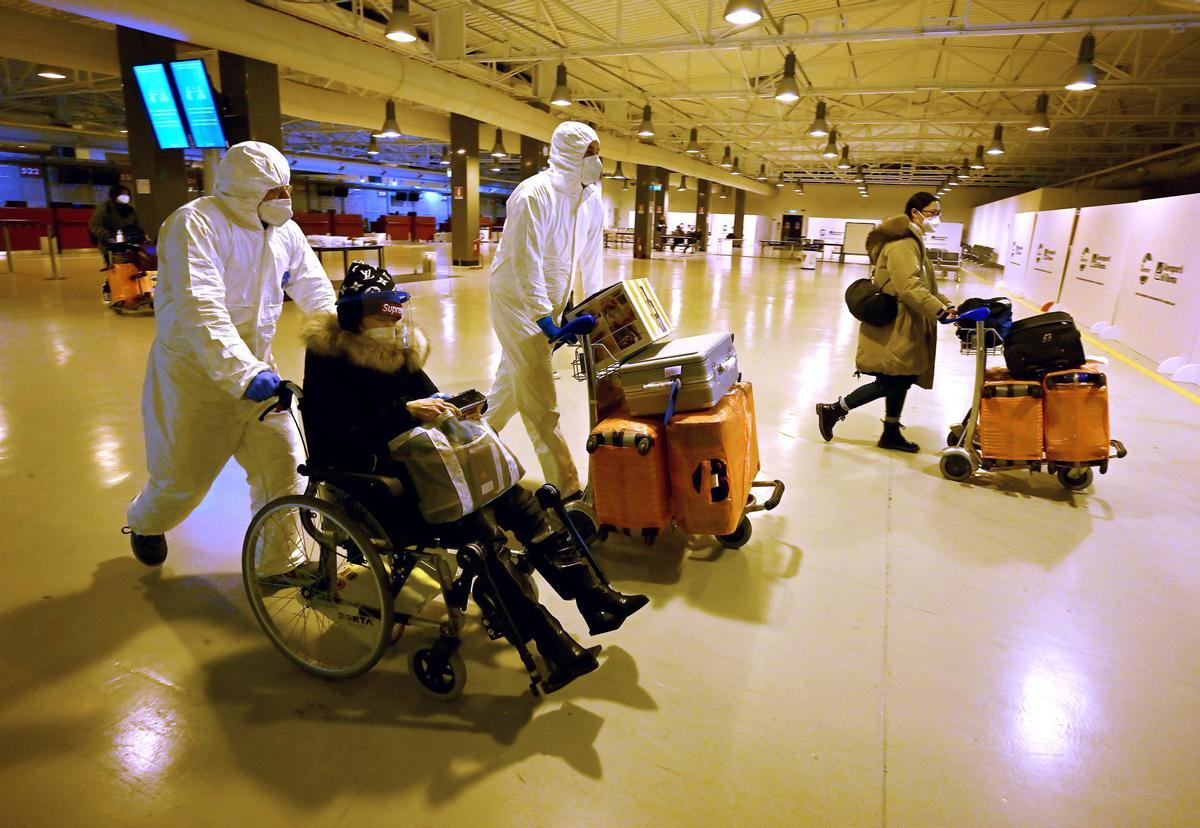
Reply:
x=583, y=511
x=962, y=458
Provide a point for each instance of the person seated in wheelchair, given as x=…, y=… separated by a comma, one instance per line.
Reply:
x=364, y=386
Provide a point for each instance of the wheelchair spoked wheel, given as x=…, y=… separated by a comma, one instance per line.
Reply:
x=317, y=586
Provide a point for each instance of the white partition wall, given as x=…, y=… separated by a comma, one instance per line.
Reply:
x=947, y=237
x=1016, y=258
x=1094, y=273
x=1158, y=310
x=1048, y=256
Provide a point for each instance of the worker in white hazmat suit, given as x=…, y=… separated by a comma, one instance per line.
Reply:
x=550, y=250
x=225, y=261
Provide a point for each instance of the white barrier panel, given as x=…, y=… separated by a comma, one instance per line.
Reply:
x=1047, y=256
x=1016, y=258
x=947, y=237
x=1159, y=306
x=829, y=230
x=1093, y=280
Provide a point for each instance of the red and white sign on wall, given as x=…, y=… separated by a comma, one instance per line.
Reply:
x=458, y=194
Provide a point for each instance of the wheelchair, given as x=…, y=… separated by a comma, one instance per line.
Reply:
x=329, y=581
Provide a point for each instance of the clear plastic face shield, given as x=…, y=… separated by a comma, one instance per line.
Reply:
x=388, y=318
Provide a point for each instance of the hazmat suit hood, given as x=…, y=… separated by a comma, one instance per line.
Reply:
x=567, y=148
x=247, y=172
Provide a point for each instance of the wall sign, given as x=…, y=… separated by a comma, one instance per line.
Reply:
x=458, y=194
x=143, y=186
x=31, y=172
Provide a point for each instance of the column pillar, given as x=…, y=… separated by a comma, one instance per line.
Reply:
x=662, y=177
x=464, y=190
x=159, y=176
x=739, y=217
x=643, y=213
x=703, y=192
x=533, y=156
x=251, y=89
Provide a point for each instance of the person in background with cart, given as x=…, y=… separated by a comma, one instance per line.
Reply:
x=900, y=354
x=115, y=220
x=224, y=263
x=551, y=250
x=364, y=385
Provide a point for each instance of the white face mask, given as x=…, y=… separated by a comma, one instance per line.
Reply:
x=123, y=199
x=593, y=168
x=392, y=335
x=932, y=223
x=275, y=212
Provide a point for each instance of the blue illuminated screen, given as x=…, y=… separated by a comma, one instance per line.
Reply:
x=160, y=106
x=196, y=94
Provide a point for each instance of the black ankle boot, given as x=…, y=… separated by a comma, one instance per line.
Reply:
x=893, y=439
x=602, y=607
x=565, y=659
x=828, y=415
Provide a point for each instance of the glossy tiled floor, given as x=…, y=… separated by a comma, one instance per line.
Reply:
x=891, y=648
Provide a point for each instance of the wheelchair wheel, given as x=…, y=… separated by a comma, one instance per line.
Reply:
x=440, y=676
x=317, y=586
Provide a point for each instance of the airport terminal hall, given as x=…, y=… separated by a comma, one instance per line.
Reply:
x=698, y=413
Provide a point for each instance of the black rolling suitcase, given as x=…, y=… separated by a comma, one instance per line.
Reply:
x=1040, y=344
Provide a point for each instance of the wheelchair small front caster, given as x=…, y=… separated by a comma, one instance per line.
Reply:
x=440, y=676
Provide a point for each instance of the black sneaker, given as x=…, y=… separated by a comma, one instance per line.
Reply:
x=829, y=415
x=149, y=549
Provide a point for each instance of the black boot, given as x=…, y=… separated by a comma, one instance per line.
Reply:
x=565, y=659
x=559, y=562
x=149, y=549
x=893, y=439
x=828, y=415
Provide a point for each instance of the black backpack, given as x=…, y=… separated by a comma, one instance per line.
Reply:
x=869, y=304
x=999, y=317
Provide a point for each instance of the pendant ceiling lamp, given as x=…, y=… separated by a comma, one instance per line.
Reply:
x=762, y=172
x=736, y=169
x=979, y=163
x=618, y=173
x=399, y=25
x=646, y=130
x=799, y=188
x=682, y=184
x=693, y=147
x=50, y=73
x=390, y=128
x=844, y=163
x=373, y=146
x=1083, y=75
x=831, y=150
x=1040, y=120
x=861, y=175
x=965, y=170
x=445, y=162
x=743, y=12
x=561, y=96
x=498, y=146
x=819, y=128
x=997, y=145
x=787, y=90
x=727, y=158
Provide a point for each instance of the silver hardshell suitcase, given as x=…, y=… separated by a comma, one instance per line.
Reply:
x=705, y=367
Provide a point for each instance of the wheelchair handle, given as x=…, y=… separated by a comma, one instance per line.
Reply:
x=287, y=391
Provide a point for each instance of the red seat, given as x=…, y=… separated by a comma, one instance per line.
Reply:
x=347, y=224
x=27, y=236
x=424, y=227
x=315, y=224
x=73, y=233
x=398, y=228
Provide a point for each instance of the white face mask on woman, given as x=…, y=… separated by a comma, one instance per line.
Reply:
x=932, y=223
x=593, y=168
x=123, y=199
x=276, y=212
x=397, y=334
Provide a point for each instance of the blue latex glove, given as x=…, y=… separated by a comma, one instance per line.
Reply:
x=264, y=386
x=582, y=324
x=548, y=327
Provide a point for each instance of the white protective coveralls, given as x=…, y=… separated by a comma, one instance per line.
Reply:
x=220, y=292
x=551, y=248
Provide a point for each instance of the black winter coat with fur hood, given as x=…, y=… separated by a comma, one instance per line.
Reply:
x=356, y=391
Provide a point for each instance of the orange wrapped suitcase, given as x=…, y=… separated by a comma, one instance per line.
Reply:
x=1076, y=414
x=713, y=458
x=1010, y=418
x=631, y=483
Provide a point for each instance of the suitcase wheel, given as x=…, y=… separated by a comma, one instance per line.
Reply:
x=740, y=536
x=1075, y=479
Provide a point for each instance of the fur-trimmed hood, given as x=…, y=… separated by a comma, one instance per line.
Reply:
x=326, y=338
x=890, y=230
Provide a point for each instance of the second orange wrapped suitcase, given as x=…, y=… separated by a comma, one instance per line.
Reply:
x=714, y=458
x=1077, y=414
x=1010, y=418
x=630, y=480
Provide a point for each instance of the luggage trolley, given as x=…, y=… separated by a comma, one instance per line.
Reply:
x=582, y=510
x=962, y=457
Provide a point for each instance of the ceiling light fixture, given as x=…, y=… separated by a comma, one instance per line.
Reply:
x=50, y=73
x=561, y=96
x=819, y=128
x=498, y=146
x=861, y=175
x=724, y=191
x=997, y=145
x=683, y=184
x=762, y=172
x=787, y=90
x=979, y=163
x=1040, y=121
x=799, y=189
x=390, y=128
x=373, y=146
x=693, y=147
x=743, y=12
x=399, y=25
x=965, y=171
x=844, y=163
x=727, y=158
x=831, y=150
x=1083, y=74
x=618, y=173
x=736, y=169
x=646, y=130
x=445, y=162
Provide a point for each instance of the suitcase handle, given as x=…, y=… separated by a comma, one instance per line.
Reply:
x=1078, y=378
x=717, y=475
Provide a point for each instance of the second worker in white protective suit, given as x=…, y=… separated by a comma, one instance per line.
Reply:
x=224, y=263
x=551, y=248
